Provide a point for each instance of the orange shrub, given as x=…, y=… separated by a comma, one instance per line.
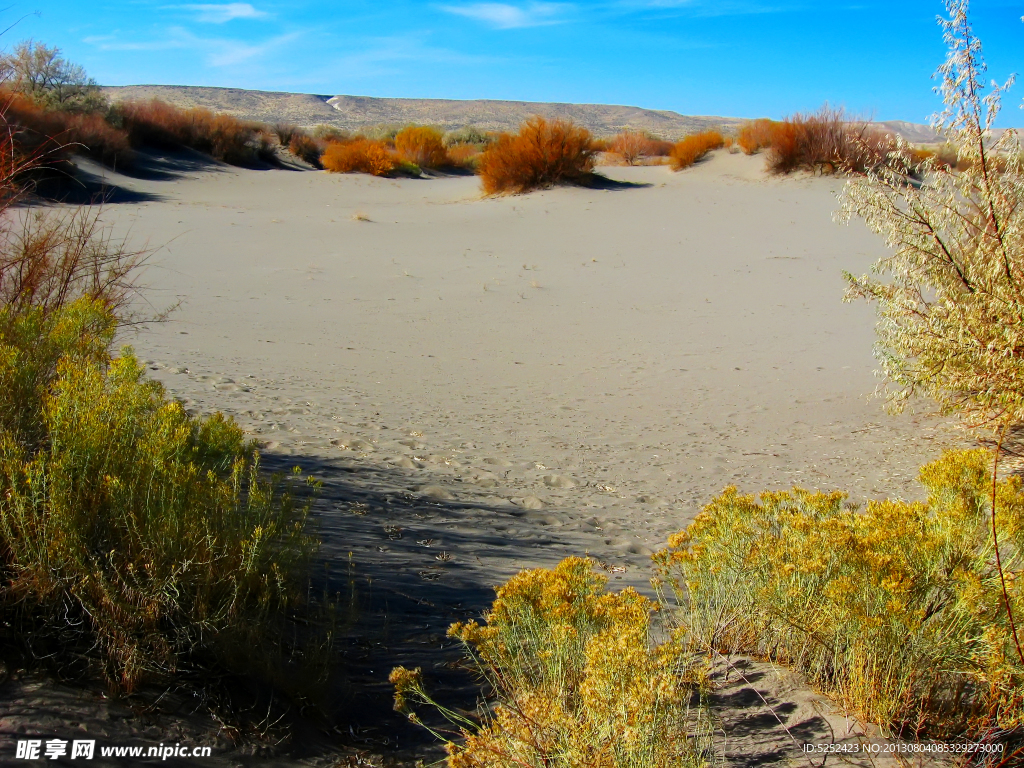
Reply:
x=305, y=147
x=631, y=146
x=161, y=124
x=358, y=156
x=692, y=148
x=542, y=154
x=464, y=155
x=421, y=145
x=51, y=135
x=827, y=141
x=755, y=135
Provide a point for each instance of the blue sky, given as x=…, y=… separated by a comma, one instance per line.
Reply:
x=744, y=58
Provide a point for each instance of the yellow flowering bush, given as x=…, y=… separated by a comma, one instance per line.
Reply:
x=577, y=682
x=896, y=611
x=129, y=531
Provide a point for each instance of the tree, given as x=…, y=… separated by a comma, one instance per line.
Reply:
x=951, y=318
x=40, y=72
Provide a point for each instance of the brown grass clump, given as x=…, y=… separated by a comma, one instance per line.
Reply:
x=827, y=142
x=541, y=155
x=358, y=156
x=422, y=145
x=693, y=148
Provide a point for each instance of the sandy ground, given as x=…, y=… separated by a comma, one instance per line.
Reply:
x=490, y=384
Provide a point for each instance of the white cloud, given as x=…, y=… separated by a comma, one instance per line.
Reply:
x=223, y=12
x=218, y=52
x=507, y=16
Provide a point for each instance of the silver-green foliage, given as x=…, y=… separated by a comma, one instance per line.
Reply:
x=951, y=316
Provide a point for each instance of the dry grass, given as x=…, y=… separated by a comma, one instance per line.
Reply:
x=541, y=155
x=693, y=148
x=422, y=146
x=358, y=156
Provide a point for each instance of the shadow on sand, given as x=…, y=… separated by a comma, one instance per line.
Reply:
x=381, y=555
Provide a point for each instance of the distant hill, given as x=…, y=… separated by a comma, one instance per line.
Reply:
x=354, y=112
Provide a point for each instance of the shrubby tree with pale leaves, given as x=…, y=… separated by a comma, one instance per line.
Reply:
x=951, y=313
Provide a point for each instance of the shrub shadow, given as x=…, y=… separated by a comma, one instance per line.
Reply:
x=383, y=558
x=600, y=181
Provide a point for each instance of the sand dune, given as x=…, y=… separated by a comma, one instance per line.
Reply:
x=491, y=384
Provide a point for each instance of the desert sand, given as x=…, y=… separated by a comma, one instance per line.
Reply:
x=485, y=385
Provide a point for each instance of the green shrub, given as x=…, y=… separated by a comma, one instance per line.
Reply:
x=468, y=134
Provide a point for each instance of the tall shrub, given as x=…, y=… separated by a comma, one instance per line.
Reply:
x=421, y=145
x=950, y=314
x=541, y=155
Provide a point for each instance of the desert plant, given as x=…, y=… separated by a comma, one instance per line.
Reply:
x=755, y=135
x=576, y=680
x=134, y=528
x=135, y=539
x=358, y=156
x=421, y=145
x=693, y=148
x=632, y=146
x=949, y=319
x=468, y=134
x=828, y=141
x=226, y=138
x=542, y=154
x=306, y=148
x=327, y=133
x=896, y=611
x=464, y=155
x=52, y=136
x=285, y=132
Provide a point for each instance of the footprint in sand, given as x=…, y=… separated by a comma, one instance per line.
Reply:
x=348, y=442
x=406, y=463
x=542, y=518
x=656, y=501
x=528, y=502
x=436, y=492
